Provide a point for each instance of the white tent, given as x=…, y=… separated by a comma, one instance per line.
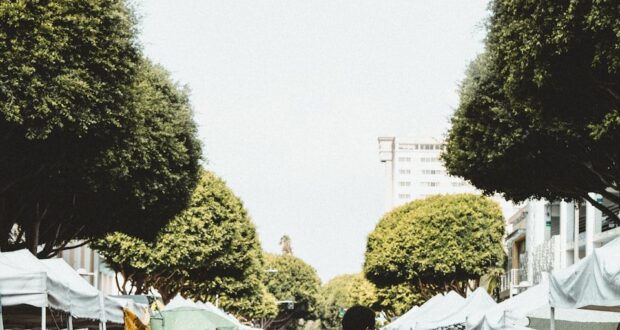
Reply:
x=396, y=323
x=477, y=301
x=433, y=309
x=84, y=300
x=52, y=292
x=592, y=283
x=26, y=280
x=511, y=313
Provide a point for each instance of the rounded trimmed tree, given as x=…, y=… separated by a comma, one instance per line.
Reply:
x=209, y=251
x=437, y=244
x=296, y=286
x=342, y=292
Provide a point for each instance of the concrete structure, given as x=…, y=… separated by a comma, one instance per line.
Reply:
x=543, y=236
x=413, y=170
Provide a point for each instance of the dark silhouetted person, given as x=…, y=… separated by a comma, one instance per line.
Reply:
x=358, y=318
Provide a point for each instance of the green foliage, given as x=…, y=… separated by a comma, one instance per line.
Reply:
x=539, y=112
x=67, y=66
x=293, y=280
x=436, y=244
x=208, y=250
x=343, y=292
x=397, y=299
x=93, y=138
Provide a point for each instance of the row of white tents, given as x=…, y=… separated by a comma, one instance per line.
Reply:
x=36, y=289
x=585, y=295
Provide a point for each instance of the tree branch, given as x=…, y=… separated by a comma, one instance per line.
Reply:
x=612, y=216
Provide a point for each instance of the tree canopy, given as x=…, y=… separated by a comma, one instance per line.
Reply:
x=210, y=249
x=539, y=111
x=436, y=244
x=342, y=292
x=94, y=138
x=292, y=280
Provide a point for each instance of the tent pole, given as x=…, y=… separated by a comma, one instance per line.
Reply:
x=1, y=317
x=43, y=321
x=552, y=319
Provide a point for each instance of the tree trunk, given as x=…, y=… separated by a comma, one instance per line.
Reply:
x=32, y=236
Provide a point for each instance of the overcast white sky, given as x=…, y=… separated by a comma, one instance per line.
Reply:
x=291, y=95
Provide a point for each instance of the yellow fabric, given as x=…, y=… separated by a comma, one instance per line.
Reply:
x=133, y=322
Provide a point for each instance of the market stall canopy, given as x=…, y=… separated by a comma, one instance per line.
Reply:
x=433, y=309
x=410, y=313
x=19, y=287
x=511, y=313
x=26, y=280
x=81, y=299
x=34, y=284
x=592, y=283
x=568, y=319
x=182, y=314
x=457, y=313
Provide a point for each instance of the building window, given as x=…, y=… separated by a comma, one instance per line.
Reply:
x=404, y=171
x=405, y=183
x=459, y=184
x=404, y=159
x=404, y=196
x=431, y=172
x=430, y=184
x=429, y=159
x=407, y=146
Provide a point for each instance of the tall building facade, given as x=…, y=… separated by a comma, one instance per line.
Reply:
x=414, y=169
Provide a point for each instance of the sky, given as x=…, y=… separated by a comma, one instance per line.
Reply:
x=290, y=97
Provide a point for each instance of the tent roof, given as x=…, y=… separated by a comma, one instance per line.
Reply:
x=432, y=309
x=219, y=318
x=511, y=312
x=25, y=281
x=593, y=282
x=477, y=301
x=53, y=283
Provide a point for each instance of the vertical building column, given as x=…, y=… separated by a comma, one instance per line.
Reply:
x=576, y=235
x=563, y=232
x=386, y=156
x=590, y=228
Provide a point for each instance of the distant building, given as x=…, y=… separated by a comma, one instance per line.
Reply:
x=89, y=264
x=414, y=170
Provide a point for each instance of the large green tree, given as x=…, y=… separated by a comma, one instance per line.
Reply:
x=93, y=137
x=296, y=286
x=65, y=82
x=342, y=292
x=539, y=111
x=209, y=251
x=434, y=245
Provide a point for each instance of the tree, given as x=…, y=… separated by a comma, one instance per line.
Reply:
x=209, y=250
x=296, y=285
x=436, y=244
x=397, y=299
x=342, y=292
x=94, y=138
x=539, y=111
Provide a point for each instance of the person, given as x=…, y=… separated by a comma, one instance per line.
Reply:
x=358, y=318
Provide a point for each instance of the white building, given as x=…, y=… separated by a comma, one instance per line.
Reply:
x=413, y=170
x=90, y=265
x=543, y=236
